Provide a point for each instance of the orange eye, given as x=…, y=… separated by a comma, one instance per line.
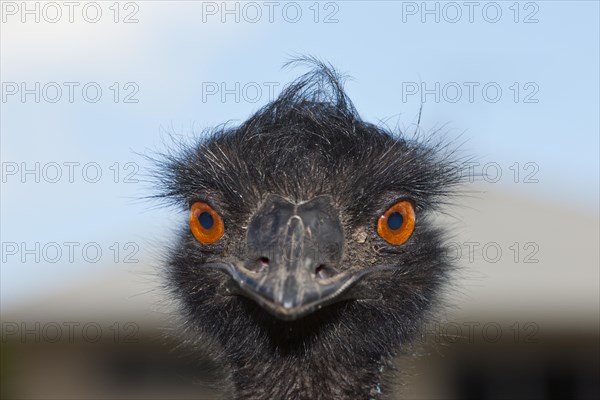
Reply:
x=396, y=225
x=206, y=224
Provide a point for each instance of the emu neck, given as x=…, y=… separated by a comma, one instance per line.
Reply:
x=319, y=375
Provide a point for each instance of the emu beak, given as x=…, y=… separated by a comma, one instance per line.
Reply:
x=293, y=252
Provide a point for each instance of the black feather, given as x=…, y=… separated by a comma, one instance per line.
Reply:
x=311, y=141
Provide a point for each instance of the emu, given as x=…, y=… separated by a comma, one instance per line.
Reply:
x=310, y=256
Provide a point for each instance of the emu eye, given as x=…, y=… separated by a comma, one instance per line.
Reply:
x=396, y=225
x=206, y=224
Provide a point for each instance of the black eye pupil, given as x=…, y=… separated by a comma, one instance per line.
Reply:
x=395, y=220
x=206, y=220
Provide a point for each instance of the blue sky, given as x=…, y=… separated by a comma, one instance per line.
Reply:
x=177, y=49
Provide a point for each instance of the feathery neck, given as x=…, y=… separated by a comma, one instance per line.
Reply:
x=319, y=374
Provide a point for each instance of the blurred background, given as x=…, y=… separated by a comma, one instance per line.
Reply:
x=88, y=88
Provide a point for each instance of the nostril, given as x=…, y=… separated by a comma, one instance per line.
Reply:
x=324, y=271
x=261, y=264
x=264, y=261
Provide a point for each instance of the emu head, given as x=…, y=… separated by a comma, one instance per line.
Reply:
x=308, y=228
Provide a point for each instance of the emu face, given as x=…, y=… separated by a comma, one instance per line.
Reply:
x=308, y=231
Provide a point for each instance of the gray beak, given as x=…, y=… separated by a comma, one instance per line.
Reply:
x=294, y=251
